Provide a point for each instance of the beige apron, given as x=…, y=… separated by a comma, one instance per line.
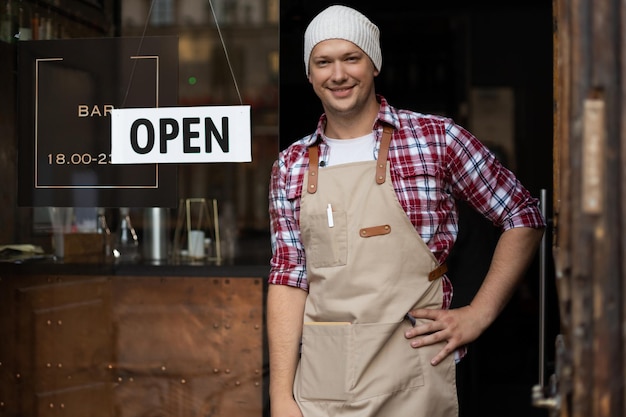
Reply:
x=367, y=267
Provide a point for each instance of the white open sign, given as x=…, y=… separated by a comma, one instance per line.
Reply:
x=181, y=135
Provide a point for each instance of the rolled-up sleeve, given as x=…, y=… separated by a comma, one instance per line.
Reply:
x=480, y=179
x=288, y=262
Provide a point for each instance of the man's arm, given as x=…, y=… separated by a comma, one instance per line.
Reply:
x=514, y=251
x=285, y=310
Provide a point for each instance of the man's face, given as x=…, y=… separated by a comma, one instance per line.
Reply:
x=342, y=76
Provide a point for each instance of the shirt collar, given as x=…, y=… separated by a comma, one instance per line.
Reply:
x=387, y=114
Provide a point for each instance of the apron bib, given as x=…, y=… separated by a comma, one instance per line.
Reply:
x=367, y=267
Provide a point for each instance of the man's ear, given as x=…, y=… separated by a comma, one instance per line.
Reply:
x=376, y=72
x=308, y=77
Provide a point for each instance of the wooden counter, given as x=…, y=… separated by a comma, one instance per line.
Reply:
x=134, y=340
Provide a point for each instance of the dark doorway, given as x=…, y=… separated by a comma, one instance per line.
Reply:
x=434, y=55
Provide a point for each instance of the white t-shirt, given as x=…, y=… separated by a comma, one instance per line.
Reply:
x=343, y=151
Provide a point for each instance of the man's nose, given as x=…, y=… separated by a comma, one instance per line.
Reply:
x=339, y=72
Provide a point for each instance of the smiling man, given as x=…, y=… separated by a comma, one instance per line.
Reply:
x=363, y=216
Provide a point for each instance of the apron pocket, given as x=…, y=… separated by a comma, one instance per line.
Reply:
x=383, y=361
x=326, y=246
x=323, y=365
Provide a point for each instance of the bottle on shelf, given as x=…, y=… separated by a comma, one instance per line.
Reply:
x=127, y=244
x=7, y=26
x=45, y=28
x=102, y=227
x=34, y=24
x=24, y=31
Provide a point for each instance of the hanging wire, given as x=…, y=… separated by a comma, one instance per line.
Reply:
x=230, y=67
x=143, y=35
x=219, y=31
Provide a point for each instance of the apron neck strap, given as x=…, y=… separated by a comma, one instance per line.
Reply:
x=381, y=162
x=314, y=158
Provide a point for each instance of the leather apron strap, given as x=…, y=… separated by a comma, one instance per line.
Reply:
x=381, y=162
x=314, y=161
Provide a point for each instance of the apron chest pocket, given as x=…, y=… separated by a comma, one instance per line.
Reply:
x=326, y=246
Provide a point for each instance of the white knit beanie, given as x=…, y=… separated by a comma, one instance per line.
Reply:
x=341, y=22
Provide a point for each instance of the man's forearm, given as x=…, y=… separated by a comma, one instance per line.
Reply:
x=285, y=309
x=514, y=252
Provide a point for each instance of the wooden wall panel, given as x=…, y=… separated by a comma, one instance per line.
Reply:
x=63, y=346
x=131, y=346
x=192, y=346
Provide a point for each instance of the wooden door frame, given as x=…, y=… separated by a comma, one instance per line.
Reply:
x=589, y=186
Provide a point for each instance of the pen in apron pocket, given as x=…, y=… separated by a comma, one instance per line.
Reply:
x=329, y=214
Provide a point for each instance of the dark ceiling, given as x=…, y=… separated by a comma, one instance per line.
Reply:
x=403, y=10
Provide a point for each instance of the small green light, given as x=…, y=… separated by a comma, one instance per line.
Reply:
x=192, y=80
